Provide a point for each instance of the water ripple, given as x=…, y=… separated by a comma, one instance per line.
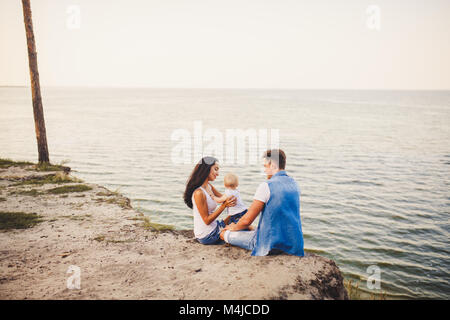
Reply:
x=373, y=174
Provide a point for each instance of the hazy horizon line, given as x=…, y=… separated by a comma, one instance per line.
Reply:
x=222, y=88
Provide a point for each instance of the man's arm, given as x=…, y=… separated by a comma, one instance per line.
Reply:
x=248, y=218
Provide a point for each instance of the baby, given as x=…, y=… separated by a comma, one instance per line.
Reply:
x=231, y=183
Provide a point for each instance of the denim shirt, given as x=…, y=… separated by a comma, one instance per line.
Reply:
x=280, y=225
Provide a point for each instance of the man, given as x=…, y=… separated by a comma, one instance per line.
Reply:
x=278, y=201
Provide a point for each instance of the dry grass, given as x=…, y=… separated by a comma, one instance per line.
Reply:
x=99, y=238
x=353, y=290
x=78, y=217
x=102, y=238
x=355, y=293
x=114, y=197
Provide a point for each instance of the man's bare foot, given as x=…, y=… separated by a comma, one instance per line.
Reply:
x=222, y=234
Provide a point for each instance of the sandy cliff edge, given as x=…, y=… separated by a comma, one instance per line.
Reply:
x=98, y=231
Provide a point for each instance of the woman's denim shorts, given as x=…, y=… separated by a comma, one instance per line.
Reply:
x=214, y=236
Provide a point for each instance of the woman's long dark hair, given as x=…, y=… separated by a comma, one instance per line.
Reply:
x=198, y=176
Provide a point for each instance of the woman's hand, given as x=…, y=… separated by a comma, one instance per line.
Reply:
x=230, y=201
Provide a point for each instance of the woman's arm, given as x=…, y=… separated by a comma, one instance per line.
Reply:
x=248, y=218
x=202, y=206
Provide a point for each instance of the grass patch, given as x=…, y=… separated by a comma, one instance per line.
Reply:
x=104, y=194
x=153, y=226
x=6, y=163
x=18, y=220
x=148, y=225
x=32, y=192
x=41, y=166
x=103, y=238
x=45, y=166
x=78, y=217
x=109, y=193
x=57, y=178
x=2, y=199
x=120, y=241
x=71, y=188
x=119, y=200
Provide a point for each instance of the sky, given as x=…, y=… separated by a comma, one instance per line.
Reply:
x=292, y=44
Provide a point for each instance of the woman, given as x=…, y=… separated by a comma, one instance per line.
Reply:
x=197, y=196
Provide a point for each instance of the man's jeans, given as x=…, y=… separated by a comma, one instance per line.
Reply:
x=235, y=217
x=243, y=239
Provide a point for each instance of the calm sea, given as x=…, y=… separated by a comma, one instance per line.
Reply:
x=373, y=166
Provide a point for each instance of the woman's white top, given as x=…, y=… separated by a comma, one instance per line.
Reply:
x=239, y=207
x=201, y=229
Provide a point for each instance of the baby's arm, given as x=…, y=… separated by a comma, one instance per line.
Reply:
x=219, y=199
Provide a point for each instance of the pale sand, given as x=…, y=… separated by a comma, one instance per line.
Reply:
x=131, y=262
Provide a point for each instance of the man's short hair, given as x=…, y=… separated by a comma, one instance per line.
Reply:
x=276, y=155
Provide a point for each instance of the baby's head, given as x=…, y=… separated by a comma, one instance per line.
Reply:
x=231, y=181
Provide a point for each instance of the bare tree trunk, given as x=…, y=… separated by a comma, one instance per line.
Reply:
x=39, y=122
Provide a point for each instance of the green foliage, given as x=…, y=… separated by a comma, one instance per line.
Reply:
x=32, y=192
x=41, y=166
x=6, y=163
x=57, y=178
x=44, y=166
x=148, y=225
x=18, y=220
x=70, y=188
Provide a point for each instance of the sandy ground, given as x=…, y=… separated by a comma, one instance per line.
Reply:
x=119, y=259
